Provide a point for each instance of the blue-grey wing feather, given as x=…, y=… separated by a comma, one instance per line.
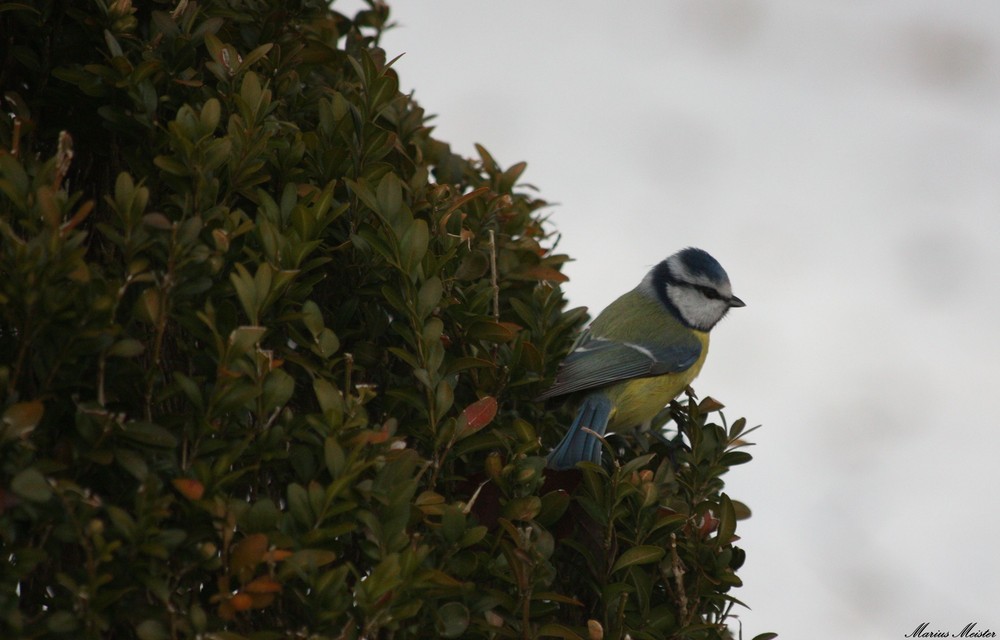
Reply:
x=597, y=362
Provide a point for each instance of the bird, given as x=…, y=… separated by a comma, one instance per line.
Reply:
x=640, y=352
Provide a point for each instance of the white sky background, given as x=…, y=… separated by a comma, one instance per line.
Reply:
x=842, y=161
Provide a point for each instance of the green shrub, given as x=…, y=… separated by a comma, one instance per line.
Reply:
x=268, y=354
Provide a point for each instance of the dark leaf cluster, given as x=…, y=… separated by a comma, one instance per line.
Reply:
x=269, y=353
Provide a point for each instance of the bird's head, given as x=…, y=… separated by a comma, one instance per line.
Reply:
x=694, y=286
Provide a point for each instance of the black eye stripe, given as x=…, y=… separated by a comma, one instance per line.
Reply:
x=708, y=292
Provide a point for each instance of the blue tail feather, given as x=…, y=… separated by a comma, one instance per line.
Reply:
x=577, y=444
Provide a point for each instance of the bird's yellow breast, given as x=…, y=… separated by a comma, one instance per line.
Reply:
x=640, y=399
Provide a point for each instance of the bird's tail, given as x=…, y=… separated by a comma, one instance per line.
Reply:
x=577, y=444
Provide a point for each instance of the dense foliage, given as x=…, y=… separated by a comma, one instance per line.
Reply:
x=269, y=353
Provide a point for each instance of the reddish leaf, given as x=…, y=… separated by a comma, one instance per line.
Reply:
x=240, y=602
x=544, y=273
x=371, y=436
x=20, y=419
x=77, y=218
x=478, y=414
x=261, y=600
x=465, y=199
x=277, y=555
x=710, y=404
x=262, y=585
x=708, y=524
x=246, y=554
x=226, y=610
x=189, y=488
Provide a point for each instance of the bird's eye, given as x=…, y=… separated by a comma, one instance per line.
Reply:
x=709, y=292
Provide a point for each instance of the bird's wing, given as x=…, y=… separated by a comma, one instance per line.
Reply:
x=597, y=362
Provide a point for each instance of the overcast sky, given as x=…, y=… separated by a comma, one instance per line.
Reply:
x=841, y=159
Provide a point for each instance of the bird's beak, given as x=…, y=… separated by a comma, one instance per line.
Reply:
x=736, y=302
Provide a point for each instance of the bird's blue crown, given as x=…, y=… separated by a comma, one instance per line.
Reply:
x=699, y=262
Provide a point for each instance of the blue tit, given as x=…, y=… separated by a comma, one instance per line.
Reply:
x=641, y=351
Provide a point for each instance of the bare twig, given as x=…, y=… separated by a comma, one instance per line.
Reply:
x=677, y=568
x=15, y=145
x=493, y=276
x=64, y=156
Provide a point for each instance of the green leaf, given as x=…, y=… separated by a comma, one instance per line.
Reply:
x=364, y=193
x=298, y=504
x=636, y=463
x=31, y=485
x=389, y=198
x=243, y=339
x=733, y=458
x=278, y=389
x=366, y=238
x=327, y=343
x=452, y=620
x=150, y=305
x=18, y=6
x=216, y=153
x=461, y=364
x=333, y=456
x=113, y=46
x=190, y=388
x=473, y=535
x=246, y=291
x=491, y=331
x=305, y=562
x=429, y=296
x=737, y=428
x=149, y=434
x=727, y=520
x=262, y=517
x=127, y=348
x=121, y=520
x=151, y=630
x=444, y=397
x=62, y=622
x=489, y=164
x=224, y=635
x=554, y=505
x=642, y=554
x=524, y=508
x=330, y=399
x=250, y=92
x=554, y=630
x=312, y=317
x=510, y=176
x=132, y=462
x=473, y=266
x=452, y=523
x=211, y=111
x=741, y=510
x=257, y=54
x=413, y=245
x=171, y=166
x=406, y=356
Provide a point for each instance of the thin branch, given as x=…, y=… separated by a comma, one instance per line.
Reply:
x=493, y=276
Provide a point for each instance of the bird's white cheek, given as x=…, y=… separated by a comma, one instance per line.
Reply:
x=697, y=310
